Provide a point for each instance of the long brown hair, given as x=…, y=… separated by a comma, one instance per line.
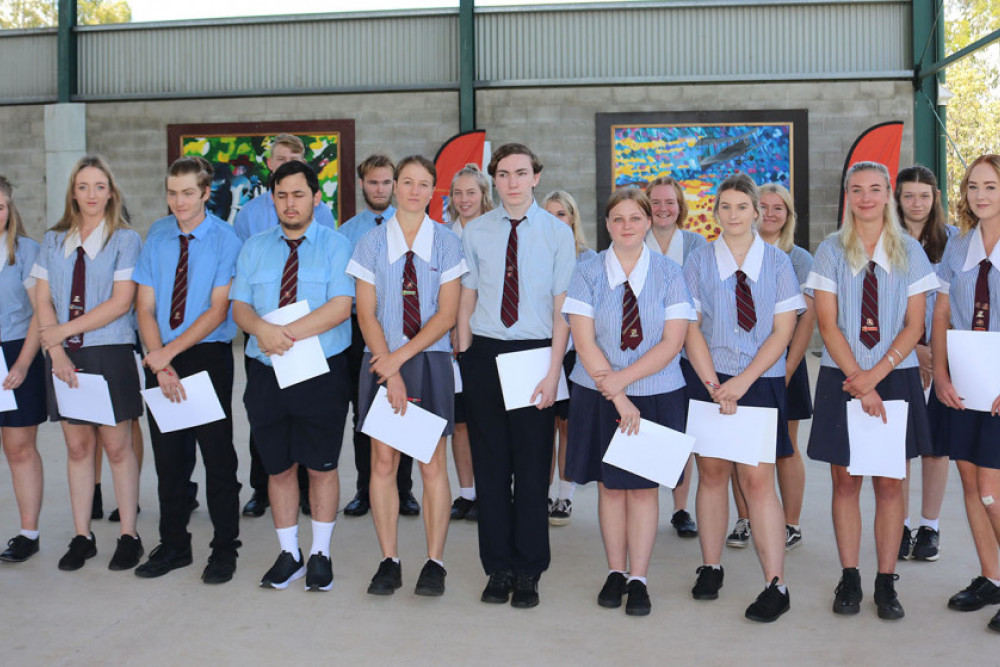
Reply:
x=15, y=226
x=934, y=237
x=114, y=214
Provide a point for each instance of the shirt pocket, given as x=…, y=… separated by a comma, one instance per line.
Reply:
x=264, y=286
x=313, y=282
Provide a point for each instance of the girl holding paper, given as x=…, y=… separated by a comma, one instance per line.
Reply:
x=409, y=351
x=747, y=297
x=25, y=374
x=869, y=282
x=968, y=301
x=84, y=298
x=627, y=368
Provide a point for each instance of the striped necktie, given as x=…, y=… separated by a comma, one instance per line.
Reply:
x=746, y=313
x=508, y=304
x=77, y=297
x=631, y=324
x=411, y=299
x=981, y=313
x=179, y=297
x=290, y=276
x=869, y=308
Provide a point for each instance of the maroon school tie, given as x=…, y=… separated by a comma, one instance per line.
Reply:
x=378, y=220
x=746, y=313
x=77, y=299
x=179, y=297
x=411, y=299
x=631, y=324
x=508, y=305
x=869, y=308
x=290, y=276
x=981, y=314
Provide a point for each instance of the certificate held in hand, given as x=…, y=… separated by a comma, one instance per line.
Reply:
x=749, y=436
x=656, y=452
x=200, y=407
x=415, y=433
x=974, y=364
x=520, y=373
x=7, y=400
x=90, y=401
x=304, y=360
x=877, y=449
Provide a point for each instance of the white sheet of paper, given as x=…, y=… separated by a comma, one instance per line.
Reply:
x=974, y=363
x=745, y=437
x=656, y=452
x=520, y=373
x=415, y=433
x=90, y=401
x=305, y=359
x=7, y=401
x=201, y=406
x=877, y=449
x=458, y=376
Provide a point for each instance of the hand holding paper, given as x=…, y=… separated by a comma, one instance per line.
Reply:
x=748, y=436
x=89, y=401
x=974, y=363
x=202, y=405
x=416, y=433
x=521, y=373
x=877, y=448
x=304, y=359
x=655, y=452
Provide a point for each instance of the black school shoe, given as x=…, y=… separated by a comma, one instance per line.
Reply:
x=994, y=623
x=905, y=544
x=80, y=549
x=461, y=507
x=708, y=584
x=97, y=505
x=684, y=524
x=925, y=546
x=431, y=580
x=221, y=566
x=163, y=559
x=975, y=596
x=257, y=504
x=284, y=571
x=319, y=573
x=847, y=597
x=498, y=588
x=127, y=554
x=358, y=506
x=19, y=549
x=387, y=579
x=611, y=595
x=770, y=604
x=116, y=517
x=408, y=505
x=638, y=599
x=886, y=601
x=525, y=594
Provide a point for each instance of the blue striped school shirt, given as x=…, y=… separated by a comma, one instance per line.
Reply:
x=379, y=260
x=15, y=281
x=951, y=231
x=546, y=256
x=710, y=272
x=597, y=290
x=106, y=264
x=831, y=273
x=682, y=243
x=802, y=263
x=211, y=263
x=958, y=273
x=260, y=215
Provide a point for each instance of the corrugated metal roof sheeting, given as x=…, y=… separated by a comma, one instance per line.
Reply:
x=28, y=70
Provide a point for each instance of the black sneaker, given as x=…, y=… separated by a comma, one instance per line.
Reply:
x=221, y=566
x=561, y=512
x=684, y=524
x=431, y=580
x=614, y=588
x=387, y=579
x=319, y=573
x=885, y=597
x=847, y=597
x=473, y=513
x=525, y=593
x=80, y=549
x=284, y=571
x=925, y=546
x=498, y=588
x=769, y=605
x=97, y=506
x=793, y=537
x=740, y=537
x=162, y=560
x=638, y=599
x=975, y=596
x=708, y=584
x=994, y=623
x=461, y=507
x=905, y=544
x=127, y=554
x=19, y=549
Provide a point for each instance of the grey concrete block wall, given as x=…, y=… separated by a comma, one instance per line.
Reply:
x=22, y=160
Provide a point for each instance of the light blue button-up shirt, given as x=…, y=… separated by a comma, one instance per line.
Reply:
x=259, y=215
x=15, y=281
x=363, y=223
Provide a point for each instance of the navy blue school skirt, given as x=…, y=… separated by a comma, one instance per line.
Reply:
x=428, y=376
x=800, y=405
x=592, y=424
x=939, y=419
x=562, y=407
x=30, y=396
x=974, y=437
x=828, y=439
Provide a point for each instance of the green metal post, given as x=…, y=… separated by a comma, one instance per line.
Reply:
x=467, y=65
x=66, y=52
x=941, y=167
x=928, y=48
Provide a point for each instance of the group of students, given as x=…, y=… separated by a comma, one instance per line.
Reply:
x=659, y=318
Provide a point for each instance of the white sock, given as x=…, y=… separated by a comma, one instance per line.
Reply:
x=467, y=493
x=395, y=560
x=633, y=578
x=439, y=562
x=930, y=523
x=995, y=582
x=322, y=532
x=782, y=588
x=714, y=567
x=288, y=538
x=794, y=526
x=30, y=534
x=621, y=572
x=906, y=522
x=566, y=489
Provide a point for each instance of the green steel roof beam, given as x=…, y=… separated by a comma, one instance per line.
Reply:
x=66, y=51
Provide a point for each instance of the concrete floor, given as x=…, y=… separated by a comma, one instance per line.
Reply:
x=95, y=616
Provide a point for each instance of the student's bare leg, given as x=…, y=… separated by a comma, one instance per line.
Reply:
x=888, y=521
x=437, y=501
x=613, y=515
x=283, y=493
x=117, y=442
x=979, y=523
x=81, y=443
x=792, y=478
x=935, y=482
x=847, y=515
x=683, y=490
x=712, y=506
x=742, y=511
x=463, y=456
x=384, y=497
x=25, y=471
x=643, y=507
x=324, y=494
x=766, y=517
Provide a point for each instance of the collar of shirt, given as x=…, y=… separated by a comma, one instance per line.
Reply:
x=675, y=250
x=751, y=264
x=422, y=243
x=528, y=215
x=198, y=232
x=91, y=246
x=977, y=251
x=309, y=234
x=387, y=214
x=616, y=274
x=879, y=257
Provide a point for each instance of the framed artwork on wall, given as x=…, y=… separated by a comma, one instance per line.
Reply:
x=238, y=152
x=699, y=149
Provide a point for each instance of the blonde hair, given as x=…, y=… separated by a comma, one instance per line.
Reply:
x=289, y=141
x=893, y=241
x=566, y=199
x=682, y=207
x=114, y=212
x=15, y=226
x=484, y=187
x=967, y=220
x=786, y=239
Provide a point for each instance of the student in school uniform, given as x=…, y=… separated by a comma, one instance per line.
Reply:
x=668, y=236
x=25, y=374
x=869, y=282
x=918, y=205
x=84, y=300
x=407, y=287
x=969, y=299
x=183, y=276
x=302, y=424
x=627, y=368
x=562, y=205
x=520, y=259
x=747, y=298
x=470, y=197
